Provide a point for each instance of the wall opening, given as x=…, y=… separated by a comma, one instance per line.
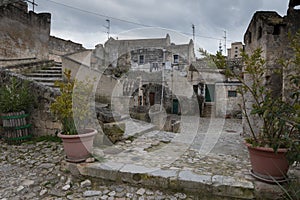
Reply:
x=232, y=93
x=141, y=59
x=176, y=58
x=276, y=30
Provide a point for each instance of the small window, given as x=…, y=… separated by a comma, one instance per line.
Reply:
x=141, y=59
x=236, y=47
x=232, y=93
x=176, y=58
x=276, y=30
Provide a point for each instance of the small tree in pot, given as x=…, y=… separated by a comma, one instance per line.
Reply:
x=273, y=121
x=16, y=101
x=72, y=108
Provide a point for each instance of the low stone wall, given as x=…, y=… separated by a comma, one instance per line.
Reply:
x=43, y=122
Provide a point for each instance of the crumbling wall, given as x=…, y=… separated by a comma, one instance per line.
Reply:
x=59, y=47
x=270, y=31
x=23, y=34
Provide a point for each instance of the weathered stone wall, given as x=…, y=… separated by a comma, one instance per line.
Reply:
x=152, y=49
x=227, y=106
x=185, y=51
x=270, y=31
x=42, y=120
x=23, y=34
x=79, y=63
x=74, y=61
x=59, y=47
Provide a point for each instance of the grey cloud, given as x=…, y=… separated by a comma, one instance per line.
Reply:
x=210, y=17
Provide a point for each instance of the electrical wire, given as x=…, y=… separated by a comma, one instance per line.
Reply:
x=123, y=20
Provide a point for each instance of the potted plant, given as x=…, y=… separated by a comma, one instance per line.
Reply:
x=273, y=121
x=72, y=108
x=16, y=101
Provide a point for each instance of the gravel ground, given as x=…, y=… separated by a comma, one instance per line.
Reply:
x=33, y=171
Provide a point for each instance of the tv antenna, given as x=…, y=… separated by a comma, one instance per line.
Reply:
x=108, y=27
x=193, y=27
x=220, y=47
x=225, y=40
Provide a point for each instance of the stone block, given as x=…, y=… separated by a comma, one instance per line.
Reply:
x=106, y=171
x=114, y=131
x=192, y=182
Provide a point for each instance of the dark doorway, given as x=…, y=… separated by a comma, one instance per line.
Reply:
x=195, y=88
x=152, y=98
x=175, y=106
x=210, y=93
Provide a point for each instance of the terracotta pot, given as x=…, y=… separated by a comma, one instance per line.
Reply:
x=78, y=147
x=267, y=164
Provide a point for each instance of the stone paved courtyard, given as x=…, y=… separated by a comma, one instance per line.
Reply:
x=33, y=171
x=36, y=171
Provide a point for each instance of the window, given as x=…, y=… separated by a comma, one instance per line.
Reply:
x=236, y=47
x=141, y=59
x=176, y=58
x=232, y=93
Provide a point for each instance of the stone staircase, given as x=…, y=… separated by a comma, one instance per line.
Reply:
x=209, y=111
x=47, y=75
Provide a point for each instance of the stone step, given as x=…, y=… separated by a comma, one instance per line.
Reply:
x=53, y=68
x=58, y=64
x=48, y=71
x=209, y=111
x=46, y=79
x=136, y=128
x=203, y=186
x=49, y=84
x=53, y=75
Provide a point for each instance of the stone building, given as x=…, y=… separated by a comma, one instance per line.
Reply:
x=146, y=54
x=269, y=31
x=217, y=95
x=23, y=34
x=235, y=50
x=141, y=67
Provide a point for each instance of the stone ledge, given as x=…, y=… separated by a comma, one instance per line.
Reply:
x=177, y=180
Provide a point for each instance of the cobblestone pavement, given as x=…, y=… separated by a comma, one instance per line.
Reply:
x=228, y=155
x=32, y=171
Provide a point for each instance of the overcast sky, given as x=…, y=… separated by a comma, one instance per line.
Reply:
x=155, y=18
